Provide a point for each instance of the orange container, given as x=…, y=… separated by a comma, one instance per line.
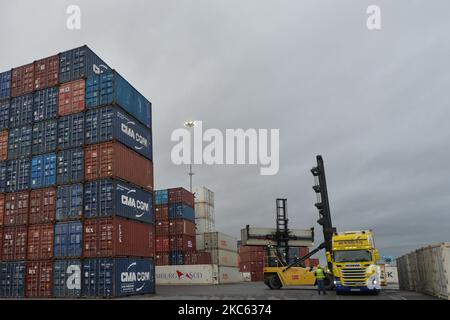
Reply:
x=22, y=80
x=71, y=97
x=4, y=145
x=46, y=72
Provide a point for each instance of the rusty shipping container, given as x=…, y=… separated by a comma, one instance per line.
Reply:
x=162, y=244
x=182, y=226
x=46, y=72
x=161, y=212
x=162, y=228
x=4, y=145
x=181, y=195
x=42, y=206
x=112, y=159
x=2, y=211
x=22, y=80
x=117, y=237
x=40, y=242
x=38, y=279
x=71, y=97
x=14, y=246
x=17, y=206
x=182, y=243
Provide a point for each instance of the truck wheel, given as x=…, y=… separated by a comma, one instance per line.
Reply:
x=329, y=282
x=274, y=282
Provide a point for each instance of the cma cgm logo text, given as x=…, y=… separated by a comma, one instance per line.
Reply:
x=133, y=276
x=132, y=202
x=134, y=135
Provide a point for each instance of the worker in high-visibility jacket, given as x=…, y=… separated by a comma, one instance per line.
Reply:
x=320, y=276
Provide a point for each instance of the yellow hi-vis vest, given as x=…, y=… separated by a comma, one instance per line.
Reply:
x=320, y=274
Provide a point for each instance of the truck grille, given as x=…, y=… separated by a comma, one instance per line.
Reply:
x=354, y=276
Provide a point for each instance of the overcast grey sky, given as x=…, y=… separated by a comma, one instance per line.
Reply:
x=375, y=104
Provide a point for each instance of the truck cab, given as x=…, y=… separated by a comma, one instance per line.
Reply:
x=354, y=260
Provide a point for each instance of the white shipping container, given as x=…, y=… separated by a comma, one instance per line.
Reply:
x=391, y=275
x=187, y=274
x=204, y=225
x=205, y=211
x=223, y=257
x=200, y=241
x=229, y=275
x=205, y=195
x=218, y=240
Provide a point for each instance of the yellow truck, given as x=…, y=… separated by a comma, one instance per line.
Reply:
x=354, y=259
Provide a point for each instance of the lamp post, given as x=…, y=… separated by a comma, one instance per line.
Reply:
x=190, y=125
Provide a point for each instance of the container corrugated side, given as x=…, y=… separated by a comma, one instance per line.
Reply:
x=14, y=246
x=107, y=198
x=70, y=166
x=5, y=84
x=42, y=206
x=40, y=242
x=17, y=206
x=17, y=175
x=181, y=211
x=46, y=72
x=4, y=145
x=21, y=111
x=161, y=212
x=4, y=114
x=111, y=123
x=45, y=104
x=204, y=195
x=181, y=195
x=117, y=277
x=71, y=131
x=19, y=142
x=44, y=137
x=204, y=225
x=204, y=211
x=187, y=275
x=69, y=202
x=67, y=278
x=182, y=226
x=3, y=176
x=2, y=216
x=43, y=171
x=12, y=279
x=68, y=239
x=39, y=279
x=229, y=275
x=161, y=197
x=224, y=257
x=214, y=240
x=22, y=80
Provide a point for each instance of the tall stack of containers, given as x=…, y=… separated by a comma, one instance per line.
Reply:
x=204, y=214
x=252, y=260
x=76, y=181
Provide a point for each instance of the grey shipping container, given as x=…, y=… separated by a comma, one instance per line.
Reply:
x=106, y=198
x=111, y=123
x=18, y=175
x=21, y=111
x=12, y=279
x=4, y=114
x=67, y=278
x=69, y=202
x=5, y=84
x=117, y=277
x=71, y=131
x=19, y=142
x=110, y=88
x=45, y=104
x=44, y=137
x=68, y=239
x=70, y=166
x=79, y=63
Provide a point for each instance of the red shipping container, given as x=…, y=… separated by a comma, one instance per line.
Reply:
x=22, y=80
x=46, y=72
x=42, y=206
x=257, y=266
x=177, y=195
x=40, y=242
x=197, y=257
x=162, y=228
x=162, y=259
x=303, y=251
x=245, y=249
x=17, y=206
x=38, y=279
x=182, y=226
x=112, y=159
x=257, y=276
x=2, y=209
x=161, y=212
x=252, y=256
x=4, y=145
x=182, y=243
x=162, y=244
x=117, y=237
x=14, y=246
x=71, y=97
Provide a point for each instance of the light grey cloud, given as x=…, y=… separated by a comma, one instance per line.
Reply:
x=373, y=103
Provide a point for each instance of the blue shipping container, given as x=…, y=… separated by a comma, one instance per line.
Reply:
x=5, y=85
x=110, y=123
x=68, y=239
x=21, y=111
x=45, y=104
x=44, y=137
x=4, y=114
x=181, y=211
x=12, y=279
x=106, y=198
x=110, y=88
x=2, y=177
x=162, y=196
x=19, y=142
x=71, y=131
x=70, y=166
x=67, y=278
x=43, y=171
x=69, y=202
x=176, y=258
x=18, y=175
x=79, y=63
x=118, y=277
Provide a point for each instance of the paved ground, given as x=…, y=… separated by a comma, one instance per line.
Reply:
x=257, y=290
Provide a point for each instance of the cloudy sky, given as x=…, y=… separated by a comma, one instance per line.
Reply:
x=375, y=104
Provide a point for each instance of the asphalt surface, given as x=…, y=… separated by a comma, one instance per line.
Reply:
x=258, y=291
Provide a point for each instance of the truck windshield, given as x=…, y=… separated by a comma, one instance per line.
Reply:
x=352, y=255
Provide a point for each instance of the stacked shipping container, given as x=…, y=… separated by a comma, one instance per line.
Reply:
x=204, y=214
x=76, y=181
x=175, y=229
